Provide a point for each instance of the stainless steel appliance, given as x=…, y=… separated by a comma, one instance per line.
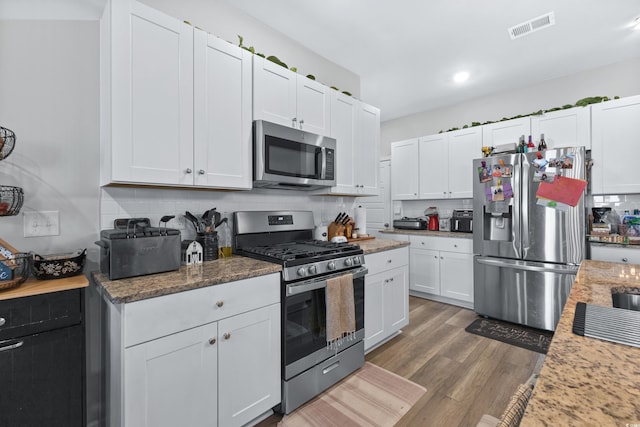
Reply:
x=287, y=158
x=286, y=238
x=462, y=221
x=135, y=248
x=527, y=254
x=411, y=223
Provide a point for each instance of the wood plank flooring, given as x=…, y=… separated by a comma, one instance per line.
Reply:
x=466, y=375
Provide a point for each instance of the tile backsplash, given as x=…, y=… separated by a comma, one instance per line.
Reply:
x=153, y=203
x=618, y=203
x=416, y=208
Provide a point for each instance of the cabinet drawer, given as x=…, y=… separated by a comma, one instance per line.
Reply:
x=449, y=244
x=613, y=254
x=40, y=313
x=156, y=317
x=386, y=260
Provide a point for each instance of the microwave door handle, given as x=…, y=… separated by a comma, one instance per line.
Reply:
x=323, y=172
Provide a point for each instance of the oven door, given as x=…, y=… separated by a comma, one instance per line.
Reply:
x=304, y=326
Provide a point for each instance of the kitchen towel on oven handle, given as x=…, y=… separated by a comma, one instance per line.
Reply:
x=341, y=317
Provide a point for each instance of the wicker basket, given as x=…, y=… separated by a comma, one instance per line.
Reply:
x=7, y=142
x=11, y=199
x=14, y=271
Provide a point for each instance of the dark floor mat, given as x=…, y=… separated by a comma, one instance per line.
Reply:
x=532, y=339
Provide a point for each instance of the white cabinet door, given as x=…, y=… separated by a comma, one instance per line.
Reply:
x=615, y=254
x=434, y=167
x=249, y=365
x=506, y=132
x=313, y=110
x=404, y=170
x=563, y=128
x=374, y=313
x=456, y=276
x=396, y=300
x=150, y=79
x=171, y=381
x=367, y=150
x=424, y=271
x=615, y=151
x=465, y=145
x=222, y=113
x=344, y=128
x=274, y=93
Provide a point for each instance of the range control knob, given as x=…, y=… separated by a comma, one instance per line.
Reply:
x=356, y=260
x=348, y=262
x=302, y=272
x=331, y=265
x=313, y=269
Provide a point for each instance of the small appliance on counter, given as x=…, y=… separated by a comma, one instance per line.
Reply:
x=462, y=221
x=411, y=223
x=135, y=248
x=432, y=215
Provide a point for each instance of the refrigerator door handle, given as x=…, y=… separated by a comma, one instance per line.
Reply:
x=528, y=266
x=525, y=188
x=516, y=231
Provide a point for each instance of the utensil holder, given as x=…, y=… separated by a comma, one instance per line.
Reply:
x=209, y=242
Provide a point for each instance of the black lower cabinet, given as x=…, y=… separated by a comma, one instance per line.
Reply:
x=42, y=374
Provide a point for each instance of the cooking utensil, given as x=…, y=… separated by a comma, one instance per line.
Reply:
x=194, y=220
x=220, y=222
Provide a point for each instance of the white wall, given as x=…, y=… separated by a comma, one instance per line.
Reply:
x=225, y=21
x=50, y=99
x=617, y=79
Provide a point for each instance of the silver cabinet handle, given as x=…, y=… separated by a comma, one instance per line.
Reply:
x=220, y=303
x=389, y=261
x=227, y=335
x=301, y=123
x=2, y=321
x=188, y=171
x=12, y=346
x=294, y=120
x=625, y=259
x=201, y=171
x=212, y=341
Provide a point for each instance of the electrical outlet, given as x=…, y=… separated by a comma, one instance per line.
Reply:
x=43, y=223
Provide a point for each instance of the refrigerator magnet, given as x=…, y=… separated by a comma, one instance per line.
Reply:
x=506, y=171
x=507, y=190
x=497, y=171
x=484, y=173
x=497, y=193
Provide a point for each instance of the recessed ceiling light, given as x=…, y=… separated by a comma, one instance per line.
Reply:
x=460, y=77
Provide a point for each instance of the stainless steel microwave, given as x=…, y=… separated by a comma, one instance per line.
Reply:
x=293, y=159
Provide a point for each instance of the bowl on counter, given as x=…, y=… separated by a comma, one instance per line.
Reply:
x=14, y=270
x=58, y=266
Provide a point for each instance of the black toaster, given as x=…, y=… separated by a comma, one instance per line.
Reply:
x=462, y=221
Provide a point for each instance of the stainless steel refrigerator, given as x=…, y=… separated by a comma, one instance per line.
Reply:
x=527, y=254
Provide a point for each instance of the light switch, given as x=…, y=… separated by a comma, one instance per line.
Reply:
x=43, y=223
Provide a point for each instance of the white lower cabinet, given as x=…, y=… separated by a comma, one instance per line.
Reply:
x=222, y=367
x=441, y=268
x=615, y=254
x=386, y=296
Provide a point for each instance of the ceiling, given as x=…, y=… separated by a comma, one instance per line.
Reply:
x=406, y=51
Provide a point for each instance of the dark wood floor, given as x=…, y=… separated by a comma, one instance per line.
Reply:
x=465, y=375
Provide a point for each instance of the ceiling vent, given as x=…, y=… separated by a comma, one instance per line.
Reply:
x=532, y=25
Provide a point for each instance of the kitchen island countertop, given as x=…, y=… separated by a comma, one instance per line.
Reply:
x=186, y=278
x=427, y=233
x=586, y=381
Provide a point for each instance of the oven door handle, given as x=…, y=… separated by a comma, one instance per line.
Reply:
x=312, y=285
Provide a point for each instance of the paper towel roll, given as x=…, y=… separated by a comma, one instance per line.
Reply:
x=360, y=218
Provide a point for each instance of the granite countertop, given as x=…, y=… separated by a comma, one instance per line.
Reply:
x=586, y=381
x=186, y=278
x=428, y=233
x=379, y=245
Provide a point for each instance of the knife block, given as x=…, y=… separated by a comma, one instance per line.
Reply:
x=334, y=230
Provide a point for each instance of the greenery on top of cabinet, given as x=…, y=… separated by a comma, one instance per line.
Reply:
x=580, y=103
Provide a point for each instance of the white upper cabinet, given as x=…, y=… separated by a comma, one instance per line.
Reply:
x=222, y=113
x=433, y=166
x=508, y=131
x=464, y=145
x=175, y=102
x=356, y=129
x=615, y=149
x=405, y=169
x=287, y=98
x=563, y=128
x=146, y=95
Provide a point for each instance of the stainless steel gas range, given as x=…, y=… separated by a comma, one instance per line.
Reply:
x=286, y=238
